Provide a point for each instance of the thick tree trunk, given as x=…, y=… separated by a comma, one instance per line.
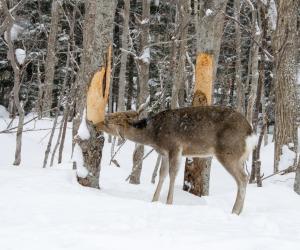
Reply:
x=285, y=68
x=97, y=36
x=209, y=20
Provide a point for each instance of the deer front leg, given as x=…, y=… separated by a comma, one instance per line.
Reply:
x=162, y=175
x=174, y=163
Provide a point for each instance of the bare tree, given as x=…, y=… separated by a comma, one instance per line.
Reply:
x=17, y=82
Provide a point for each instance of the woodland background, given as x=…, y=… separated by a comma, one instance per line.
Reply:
x=49, y=51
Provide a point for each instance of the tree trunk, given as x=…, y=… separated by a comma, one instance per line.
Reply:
x=17, y=84
x=143, y=68
x=209, y=34
x=255, y=33
x=97, y=36
x=122, y=75
x=297, y=179
x=238, y=65
x=285, y=68
x=46, y=95
x=182, y=19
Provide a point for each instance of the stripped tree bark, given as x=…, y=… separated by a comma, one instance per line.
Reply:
x=209, y=20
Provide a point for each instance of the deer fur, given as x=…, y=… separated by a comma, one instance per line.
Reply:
x=195, y=131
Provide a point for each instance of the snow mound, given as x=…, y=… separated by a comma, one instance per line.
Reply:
x=3, y=112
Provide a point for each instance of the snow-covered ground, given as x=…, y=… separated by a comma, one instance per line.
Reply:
x=46, y=208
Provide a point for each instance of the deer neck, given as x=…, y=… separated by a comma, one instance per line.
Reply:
x=137, y=135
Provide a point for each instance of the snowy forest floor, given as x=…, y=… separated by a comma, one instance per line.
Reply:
x=46, y=208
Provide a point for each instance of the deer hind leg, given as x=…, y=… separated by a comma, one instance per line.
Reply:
x=235, y=168
x=162, y=175
x=174, y=163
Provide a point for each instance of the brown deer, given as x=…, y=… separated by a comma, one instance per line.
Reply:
x=195, y=131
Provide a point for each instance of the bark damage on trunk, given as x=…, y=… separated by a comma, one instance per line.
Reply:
x=197, y=170
x=97, y=98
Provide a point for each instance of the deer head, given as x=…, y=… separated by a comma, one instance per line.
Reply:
x=115, y=123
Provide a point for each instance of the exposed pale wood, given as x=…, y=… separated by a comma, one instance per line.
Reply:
x=204, y=76
x=98, y=92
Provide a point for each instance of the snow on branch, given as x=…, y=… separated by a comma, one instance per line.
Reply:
x=20, y=55
x=145, y=57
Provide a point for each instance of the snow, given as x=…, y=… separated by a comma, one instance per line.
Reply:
x=286, y=158
x=78, y=158
x=47, y=209
x=145, y=21
x=156, y=2
x=14, y=32
x=145, y=57
x=208, y=12
x=20, y=55
x=83, y=131
x=3, y=112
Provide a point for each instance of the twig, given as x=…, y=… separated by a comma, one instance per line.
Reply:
x=282, y=172
x=34, y=118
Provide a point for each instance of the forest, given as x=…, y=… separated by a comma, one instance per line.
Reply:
x=99, y=101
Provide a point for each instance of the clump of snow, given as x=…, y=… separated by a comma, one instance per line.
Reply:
x=145, y=57
x=78, y=157
x=156, y=2
x=20, y=55
x=258, y=32
x=3, y=112
x=208, y=12
x=286, y=158
x=15, y=31
x=83, y=131
x=145, y=21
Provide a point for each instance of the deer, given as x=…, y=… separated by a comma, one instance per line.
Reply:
x=201, y=131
